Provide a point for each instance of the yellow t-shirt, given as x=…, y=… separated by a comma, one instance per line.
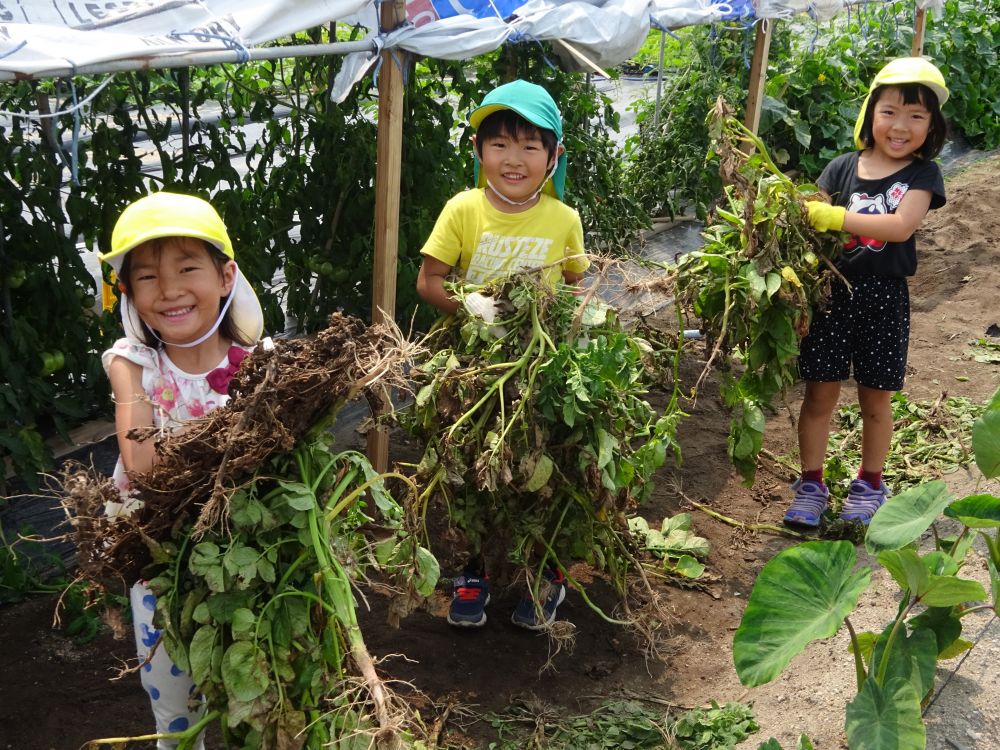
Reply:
x=483, y=244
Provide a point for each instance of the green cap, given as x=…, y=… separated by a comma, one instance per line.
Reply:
x=535, y=105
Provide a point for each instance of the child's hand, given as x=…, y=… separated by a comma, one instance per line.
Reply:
x=826, y=218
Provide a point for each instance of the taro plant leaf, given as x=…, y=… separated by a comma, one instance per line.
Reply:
x=945, y=623
x=906, y=568
x=976, y=511
x=912, y=657
x=906, y=516
x=986, y=441
x=866, y=644
x=911, y=572
x=957, y=647
x=886, y=718
x=803, y=594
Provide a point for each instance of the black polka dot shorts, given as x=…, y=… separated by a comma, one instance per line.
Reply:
x=868, y=328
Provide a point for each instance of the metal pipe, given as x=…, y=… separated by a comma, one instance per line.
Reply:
x=214, y=57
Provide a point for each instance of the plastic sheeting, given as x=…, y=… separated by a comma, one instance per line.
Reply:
x=56, y=35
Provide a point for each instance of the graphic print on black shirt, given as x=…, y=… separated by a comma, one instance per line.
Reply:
x=865, y=256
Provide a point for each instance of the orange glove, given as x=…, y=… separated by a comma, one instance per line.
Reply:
x=824, y=217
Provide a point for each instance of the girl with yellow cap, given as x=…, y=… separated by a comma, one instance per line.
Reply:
x=189, y=317
x=880, y=193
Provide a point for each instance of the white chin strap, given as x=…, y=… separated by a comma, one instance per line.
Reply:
x=511, y=201
x=210, y=331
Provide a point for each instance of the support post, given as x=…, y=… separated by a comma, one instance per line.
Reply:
x=919, y=26
x=389, y=151
x=758, y=75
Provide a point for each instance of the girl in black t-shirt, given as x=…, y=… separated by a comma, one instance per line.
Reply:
x=880, y=194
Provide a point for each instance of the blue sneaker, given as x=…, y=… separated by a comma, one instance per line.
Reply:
x=539, y=615
x=862, y=501
x=811, y=499
x=469, y=598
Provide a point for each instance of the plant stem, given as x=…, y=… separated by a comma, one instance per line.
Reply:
x=859, y=663
x=742, y=524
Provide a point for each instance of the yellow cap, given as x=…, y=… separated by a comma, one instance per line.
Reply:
x=166, y=214
x=899, y=72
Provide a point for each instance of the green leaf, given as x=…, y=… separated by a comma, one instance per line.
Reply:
x=913, y=657
x=886, y=718
x=244, y=671
x=428, y=572
x=976, y=511
x=906, y=568
x=906, y=516
x=298, y=495
x=689, y=567
x=944, y=621
x=200, y=653
x=773, y=281
x=945, y=591
x=957, y=647
x=986, y=442
x=540, y=476
x=803, y=594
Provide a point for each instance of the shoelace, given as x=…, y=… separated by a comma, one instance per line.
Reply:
x=467, y=593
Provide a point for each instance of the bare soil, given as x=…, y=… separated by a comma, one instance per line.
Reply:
x=56, y=696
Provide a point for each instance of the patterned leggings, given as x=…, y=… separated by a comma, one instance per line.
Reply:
x=169, y=688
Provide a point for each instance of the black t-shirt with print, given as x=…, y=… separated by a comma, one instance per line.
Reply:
x=864, y=256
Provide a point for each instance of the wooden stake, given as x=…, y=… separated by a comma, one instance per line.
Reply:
x=389, y=153
x=919, y=26
x=758, y=75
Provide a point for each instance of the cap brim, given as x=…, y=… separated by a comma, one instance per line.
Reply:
x=116, y=258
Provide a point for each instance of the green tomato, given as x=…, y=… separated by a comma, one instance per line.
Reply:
x=16, y=278
x=48, y=364
x=326, y=268
x=58, y=360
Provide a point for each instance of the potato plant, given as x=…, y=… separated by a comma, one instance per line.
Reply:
x=264, y=618
x=756, y=280
x=537, y=435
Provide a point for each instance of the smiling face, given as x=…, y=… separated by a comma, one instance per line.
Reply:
x=898, y=129
x=177, y=287
x=515, y=165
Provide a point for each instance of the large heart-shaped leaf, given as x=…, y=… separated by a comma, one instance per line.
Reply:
x=913, y=657
x=976, y=511
x=886, y=718
x=906, y=516
x=986, y=443
x=803, y=594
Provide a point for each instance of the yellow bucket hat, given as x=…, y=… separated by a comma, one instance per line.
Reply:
x=898, y=72
x=167, y=214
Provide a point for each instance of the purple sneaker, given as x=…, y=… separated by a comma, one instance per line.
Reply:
x=810, y=501
x=862, y=501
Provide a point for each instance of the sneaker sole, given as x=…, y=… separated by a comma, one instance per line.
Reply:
x=470, y=623
x=541, y=626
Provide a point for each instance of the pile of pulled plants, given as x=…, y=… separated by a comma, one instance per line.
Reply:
x=537, y=439
x=253, y=533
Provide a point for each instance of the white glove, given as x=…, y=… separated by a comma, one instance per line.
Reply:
x=482, y=306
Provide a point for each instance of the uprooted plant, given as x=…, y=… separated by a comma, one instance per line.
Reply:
x=808, y=590
x=253, y=533
x=754, y=283
x=537, y=438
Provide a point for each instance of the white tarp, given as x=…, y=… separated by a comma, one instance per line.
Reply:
x=46, y=35
x=39, y=37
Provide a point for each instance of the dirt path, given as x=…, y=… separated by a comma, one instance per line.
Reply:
x=56, y=696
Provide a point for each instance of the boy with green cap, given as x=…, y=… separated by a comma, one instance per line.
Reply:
x=512, y=220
